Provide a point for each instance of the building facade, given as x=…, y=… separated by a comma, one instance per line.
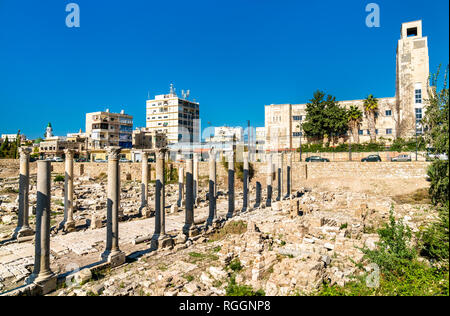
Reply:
x=178, y=118
x=398, y=116
x=227, y=134
x=109, y=129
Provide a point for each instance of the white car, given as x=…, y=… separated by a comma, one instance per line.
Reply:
x=58, y=159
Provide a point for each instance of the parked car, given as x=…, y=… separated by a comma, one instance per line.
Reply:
x=81, y=160
x=100, y=160
x=317, y=159
x=58, y=159
x=432, y=155
x=372, y=158
x=401, y=158
x=124, y=160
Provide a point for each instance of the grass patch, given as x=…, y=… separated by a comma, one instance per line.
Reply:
x=59, y=178
x=9, y=191
x=234, y=289
x=230, y=228
x=235, y=265
x=196, y=257
x=420, y=196
x=189, y=277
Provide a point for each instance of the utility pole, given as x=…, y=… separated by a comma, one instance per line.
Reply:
x=350, y=150
x=416, y=141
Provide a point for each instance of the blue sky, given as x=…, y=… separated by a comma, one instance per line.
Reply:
x=235, y=56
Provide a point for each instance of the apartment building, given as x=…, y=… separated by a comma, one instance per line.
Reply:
x=398, y=116
x=109, y=129
x=177, y=117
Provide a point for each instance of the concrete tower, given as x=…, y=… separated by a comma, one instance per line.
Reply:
x=412, y=79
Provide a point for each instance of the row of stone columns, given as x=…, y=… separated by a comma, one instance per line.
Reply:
x=42, y=274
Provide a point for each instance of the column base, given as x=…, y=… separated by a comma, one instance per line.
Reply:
x=146, y=211
x=69, y=227
x=161, y=241
x=191, y=231
x=214, y=223
x=46, y=282
x=25, y=232
x=115, y=259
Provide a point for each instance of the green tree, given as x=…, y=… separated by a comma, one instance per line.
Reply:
x=4, y=148
x=314, y=122
x=371, y=107
x=354, y=115
x=435, y=239
x=436, y=123
x=324, y=117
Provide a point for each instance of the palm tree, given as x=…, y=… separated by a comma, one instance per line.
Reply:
x=354, y=120
x=371, y=107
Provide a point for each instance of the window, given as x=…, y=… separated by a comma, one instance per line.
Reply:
x=368, y=132
x=389, y=131
x=418, y=96
x=376, y=131
x=411, y=32
x=388, y=112
x=360, y=132
x=418, y=114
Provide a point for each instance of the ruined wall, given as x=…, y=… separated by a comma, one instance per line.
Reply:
x=300, y=170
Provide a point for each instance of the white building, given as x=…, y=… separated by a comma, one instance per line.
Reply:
x=227, y=134
x=178, y=118
x=13, y=137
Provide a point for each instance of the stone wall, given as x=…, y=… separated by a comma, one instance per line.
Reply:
x=300, y=170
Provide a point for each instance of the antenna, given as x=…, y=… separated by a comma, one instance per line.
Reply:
x=172, y=89
x=188, y=93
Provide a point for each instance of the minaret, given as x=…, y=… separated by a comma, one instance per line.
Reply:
x=412, y=79
x=49, y=131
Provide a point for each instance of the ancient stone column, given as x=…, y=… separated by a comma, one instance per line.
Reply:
x=196, y=159
x=189, y=227
x=42, y=275
x=212, y=187
x=258, y=195
x=245, y=182
x=180, y=186
x=280, y=176
x=69, y=223
x=112, y=252
x=160, y=239
x=23, y=227
x=289, y=177
x=144, y=209
x=269, y=181
x=230, y=185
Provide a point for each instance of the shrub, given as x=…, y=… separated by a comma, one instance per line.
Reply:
x=438, y=172
x=435, y=239
x=234, y=289
x=235, y=265
x=59, y=178
x=394, y=249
